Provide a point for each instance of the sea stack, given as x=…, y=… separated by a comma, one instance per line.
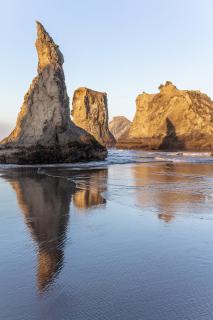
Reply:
x=171, y=119
x=90, y=112
x=119, y=126
x=44, y=132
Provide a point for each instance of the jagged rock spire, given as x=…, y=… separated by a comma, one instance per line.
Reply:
x=44, y=123
x=45, y=110
x=48, y=51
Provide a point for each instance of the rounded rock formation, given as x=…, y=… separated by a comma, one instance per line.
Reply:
x=171, y=119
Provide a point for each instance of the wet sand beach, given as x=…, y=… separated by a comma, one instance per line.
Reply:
x=126, y=238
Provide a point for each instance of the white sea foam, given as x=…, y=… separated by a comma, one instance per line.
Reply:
x=197, y=154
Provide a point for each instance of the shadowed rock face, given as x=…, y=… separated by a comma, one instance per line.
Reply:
x=119, y=126
x=90, y=112
x=44, y=132
x=171, y=119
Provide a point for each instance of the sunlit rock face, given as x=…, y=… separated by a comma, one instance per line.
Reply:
x=119, y=126
x=44, y=202
x=44, y=132
x=90, y=112
x=171, y=119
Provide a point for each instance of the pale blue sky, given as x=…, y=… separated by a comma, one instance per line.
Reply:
x=120, y=47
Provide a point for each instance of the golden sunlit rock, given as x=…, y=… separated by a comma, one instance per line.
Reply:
x=171, y=119
x=90, y=112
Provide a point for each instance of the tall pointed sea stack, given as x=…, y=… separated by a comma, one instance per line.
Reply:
x=44, y=132
x=90, y=112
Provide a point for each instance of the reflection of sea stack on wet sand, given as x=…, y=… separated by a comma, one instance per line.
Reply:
x=44, y=132
x=166, y=186
x=45, y=203
x=91, y=186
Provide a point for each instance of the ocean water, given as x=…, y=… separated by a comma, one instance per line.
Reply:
x=126, y=238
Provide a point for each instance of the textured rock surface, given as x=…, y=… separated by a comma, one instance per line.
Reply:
x=44, y=132
x=171, y=119
x=90, y=112
x=119, y=126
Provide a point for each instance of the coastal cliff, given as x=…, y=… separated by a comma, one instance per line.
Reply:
x=171, y=119
x=44, y=132
x=90, y=112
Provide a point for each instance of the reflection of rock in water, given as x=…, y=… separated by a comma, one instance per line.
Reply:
x=45, y=203
x=91, y=185
x=168, y=186
x=166, y=217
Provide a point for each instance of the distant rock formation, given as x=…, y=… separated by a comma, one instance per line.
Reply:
x=171, y=119
x=90, y=112
x=44, y=132
x=119, y=126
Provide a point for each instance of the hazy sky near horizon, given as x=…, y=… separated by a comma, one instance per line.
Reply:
x=122, y=47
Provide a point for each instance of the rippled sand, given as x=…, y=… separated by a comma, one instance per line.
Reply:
x=111, y=241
